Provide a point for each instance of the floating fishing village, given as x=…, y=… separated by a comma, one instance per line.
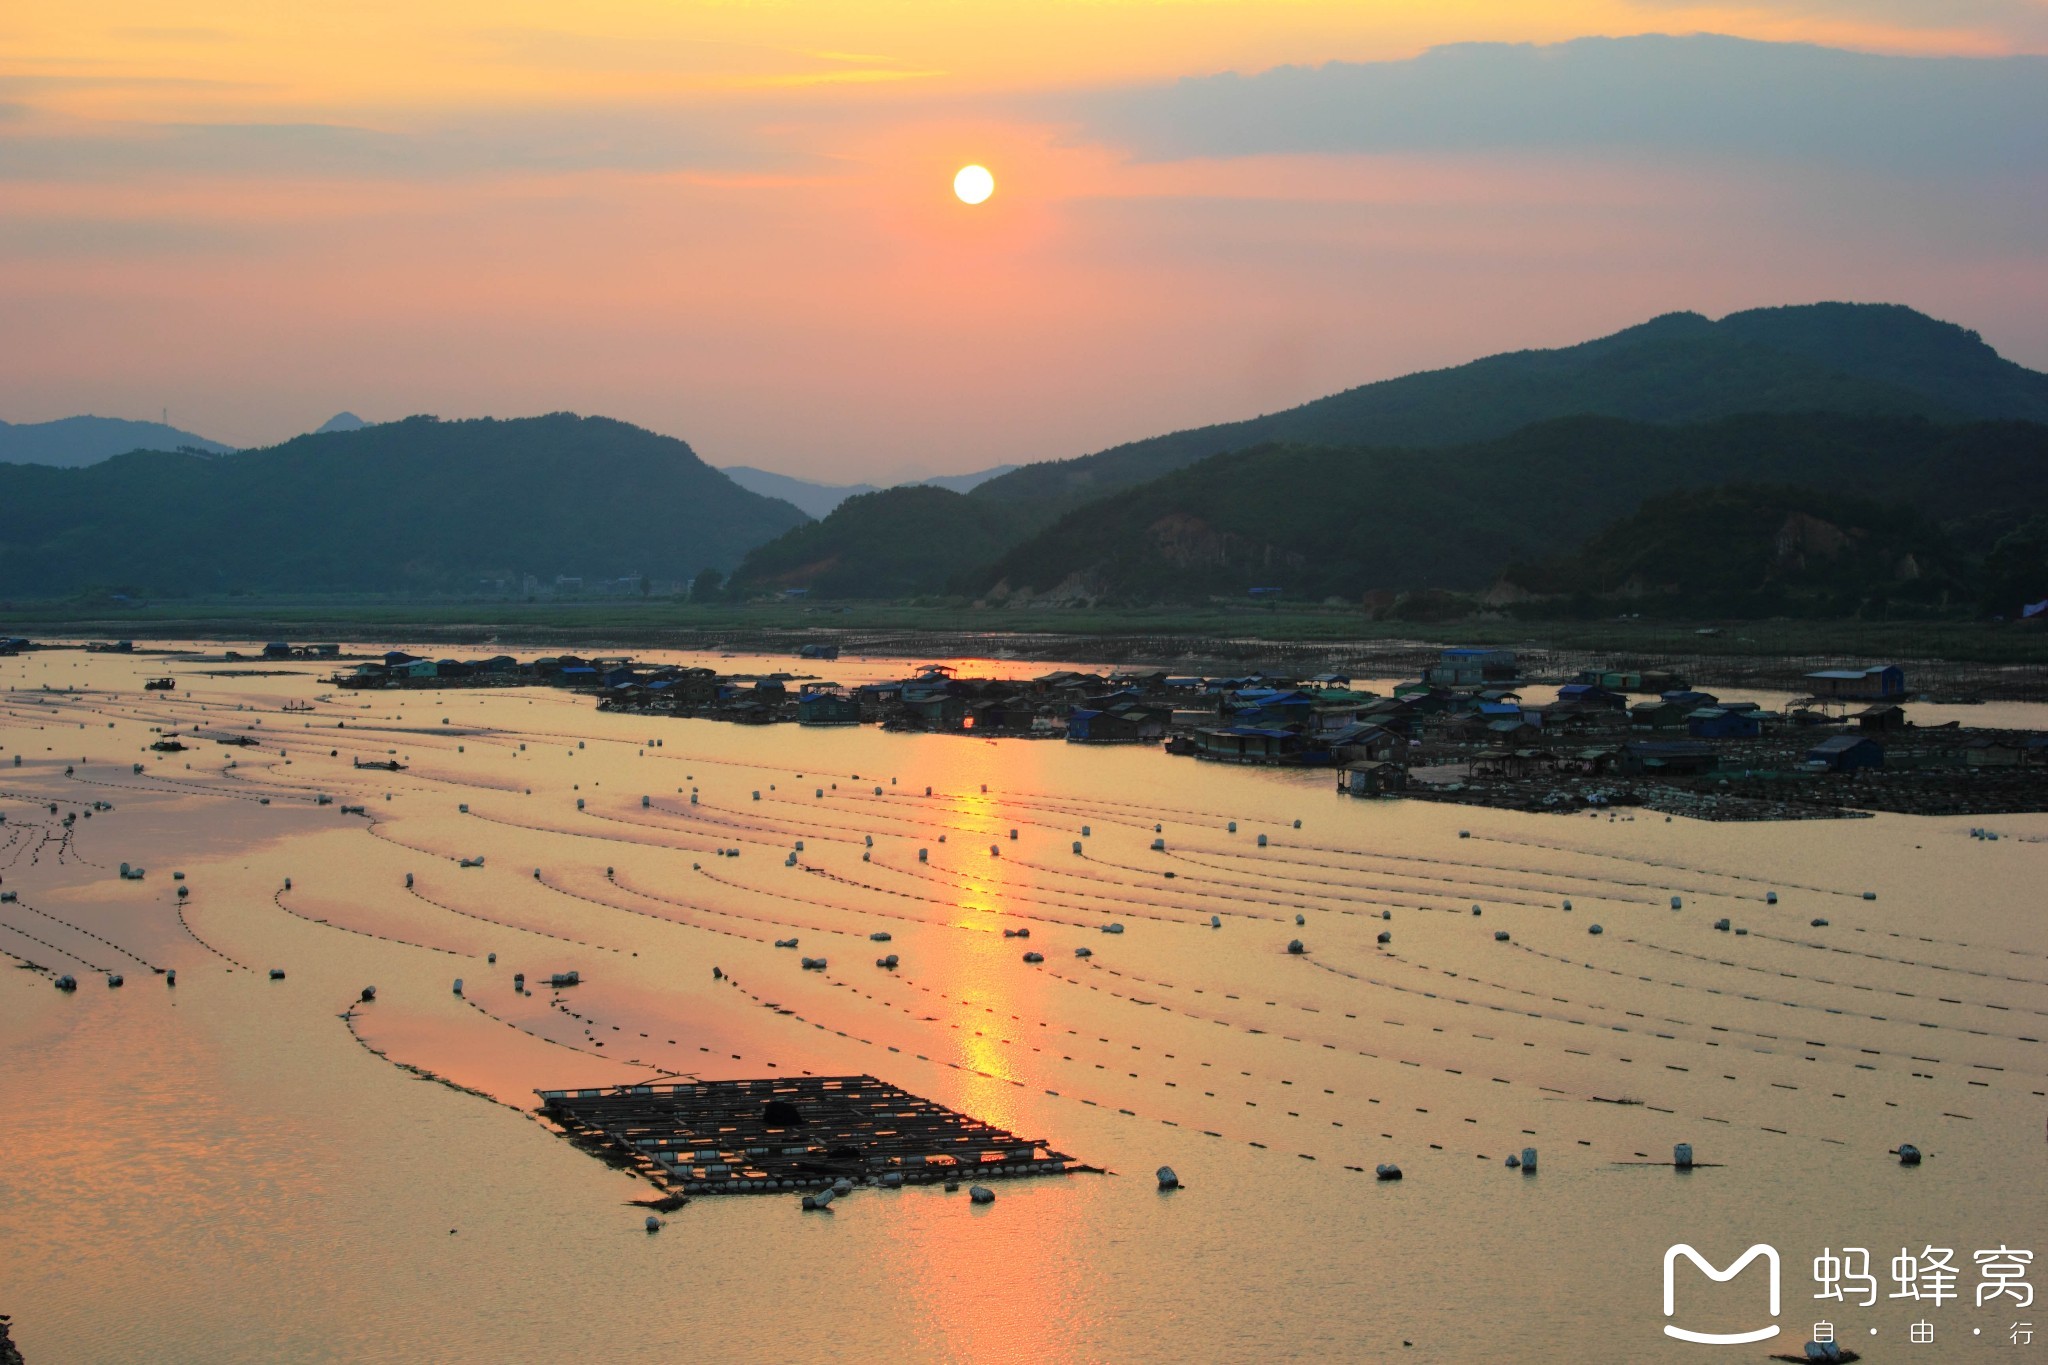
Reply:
x=1462, y=732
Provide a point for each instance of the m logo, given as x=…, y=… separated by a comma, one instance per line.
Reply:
x=1671, y=1255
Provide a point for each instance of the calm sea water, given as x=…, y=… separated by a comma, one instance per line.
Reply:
x=229, y=1170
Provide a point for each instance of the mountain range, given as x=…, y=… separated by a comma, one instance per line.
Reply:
x=1679, y=458
x=419, y=504
x=1291, y=495
x=70, y=442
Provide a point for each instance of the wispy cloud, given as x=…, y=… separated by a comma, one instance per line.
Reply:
x=481, y=143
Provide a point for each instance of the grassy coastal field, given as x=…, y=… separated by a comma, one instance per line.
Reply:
x=661, y=622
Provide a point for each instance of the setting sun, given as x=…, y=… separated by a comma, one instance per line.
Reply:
x=973, y=184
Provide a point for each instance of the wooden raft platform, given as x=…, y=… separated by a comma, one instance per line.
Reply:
x=790, y=1132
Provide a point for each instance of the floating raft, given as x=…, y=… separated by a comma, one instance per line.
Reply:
x=789, y=1132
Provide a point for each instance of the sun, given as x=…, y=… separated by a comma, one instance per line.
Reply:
x=973, y=184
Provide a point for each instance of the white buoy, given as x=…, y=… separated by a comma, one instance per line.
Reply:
x=1500, y=936
x=1294, y=947
x=1677, y=904
x=1232, y=828
x=1262, y=841
x=1159, y=845
x=458, y=985
x=1909, y=1155
x=1385, y=936
x=1077, y=845
x=1167, y=1179
x=1215, y=921
x=924, y=855
x=1529, y=1160
x=1087, y=833
x=1567, y=905
x=1681, y=1156
x=1387, y=1170
x=981, y=1194
x=1595, y=929
x=653, y=1223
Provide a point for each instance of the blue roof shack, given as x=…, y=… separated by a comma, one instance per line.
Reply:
x=1845, y=753
x=1717, y=722
x=827, y=708
x=1263, y=706
x=1591, y=694
x=1880, y=682
x=582, y=675
x=1691, y=700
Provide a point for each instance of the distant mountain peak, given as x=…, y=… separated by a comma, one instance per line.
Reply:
x=341, y=421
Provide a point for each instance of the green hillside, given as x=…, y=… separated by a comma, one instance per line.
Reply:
x=1749, y=550
x=1318, y=521
x=899, y=542
x=420, y=504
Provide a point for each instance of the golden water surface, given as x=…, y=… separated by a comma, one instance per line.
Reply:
x=229, y=1169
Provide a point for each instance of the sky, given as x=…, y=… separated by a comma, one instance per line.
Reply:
x=732, y=220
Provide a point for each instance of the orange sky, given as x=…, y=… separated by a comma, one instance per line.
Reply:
x=732, y=221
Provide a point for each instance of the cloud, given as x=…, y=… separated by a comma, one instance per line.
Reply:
x=72, y=238
x=648, y=140
x=2021, y=22
x=1654, y=95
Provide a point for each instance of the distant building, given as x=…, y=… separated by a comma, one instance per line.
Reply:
x=1880, y=682
x=1845, y=753
x=1991, y=752
x=1666, y=758
x=1718, y=722
x=1472, y=668
x=827, y=708
x=1372, y=779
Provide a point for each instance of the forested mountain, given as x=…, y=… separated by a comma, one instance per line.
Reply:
x=1878, y=361
x=898, y=542
x=1832, y=357
x=1318, y=521
x=417, y=504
